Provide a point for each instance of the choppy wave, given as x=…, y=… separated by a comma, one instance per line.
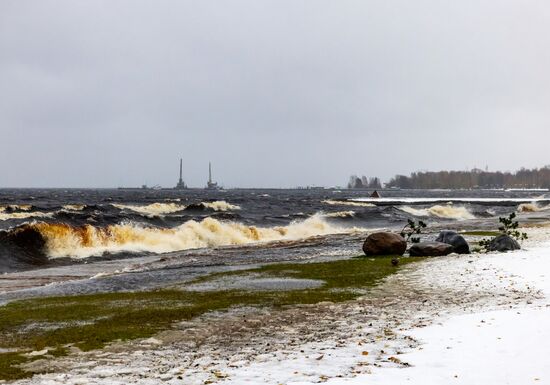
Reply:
x=11, y=208
x=347, y=203
x=439, y=211
x=340, y=214
x=6, y=216
x=153, y=209
x=159, y=209
x=532, y=208
x=63, y=240
x=74, y=207
x=221, y=206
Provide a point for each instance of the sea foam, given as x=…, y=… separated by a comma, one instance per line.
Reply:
x=62, y=240
x=439, y=211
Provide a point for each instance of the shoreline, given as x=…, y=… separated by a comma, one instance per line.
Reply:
x=311, y=343
x=487, y=346
x=65, y=279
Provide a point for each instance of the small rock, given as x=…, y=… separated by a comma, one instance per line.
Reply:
x=430, y=249
x=503, y=243
x=456, y=240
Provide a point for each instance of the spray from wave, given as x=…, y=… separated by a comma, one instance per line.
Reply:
x=438, y=211
x=62, y=240
x=532, y=208
x=347, y=203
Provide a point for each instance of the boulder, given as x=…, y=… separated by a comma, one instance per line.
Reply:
x=456, y=240
x=503, y=243
x=430, y=249
x=384, y=243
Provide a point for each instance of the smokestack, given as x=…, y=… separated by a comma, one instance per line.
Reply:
x=181, y=184
x=209, y=172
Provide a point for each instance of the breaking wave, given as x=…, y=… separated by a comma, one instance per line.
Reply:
x=153, y=209
x=347, y=203
x=221, y=206
x=532, y=208
x=11, y=208
x=340, y=214
x=6, y=216
x=158, y=209
x=63, y=240
x=74, y=207
x=438, y=211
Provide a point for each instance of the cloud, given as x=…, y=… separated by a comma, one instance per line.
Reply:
x=275, y=93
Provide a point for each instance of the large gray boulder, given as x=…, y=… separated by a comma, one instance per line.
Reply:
x=430, y=249
x=456, y=240
x=503, y=243
x=384, y=243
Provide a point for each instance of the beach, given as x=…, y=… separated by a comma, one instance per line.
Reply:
x=486, y=346
x=468, y=319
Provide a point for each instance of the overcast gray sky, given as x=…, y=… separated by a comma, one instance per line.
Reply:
x=274, y=93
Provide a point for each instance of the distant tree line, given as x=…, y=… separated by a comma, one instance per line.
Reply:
x=364, y=182
x=476, y=178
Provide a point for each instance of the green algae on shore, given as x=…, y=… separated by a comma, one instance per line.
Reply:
x=481, y=233
x=90, y=322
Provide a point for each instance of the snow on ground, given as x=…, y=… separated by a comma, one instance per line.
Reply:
x=499, y=347
x=494, y=347
x=482, y=318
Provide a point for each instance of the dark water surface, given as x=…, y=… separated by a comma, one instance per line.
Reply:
x=131, y=239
